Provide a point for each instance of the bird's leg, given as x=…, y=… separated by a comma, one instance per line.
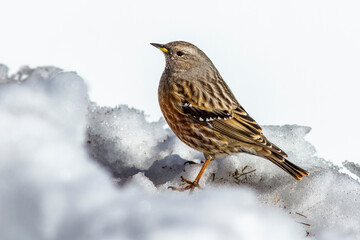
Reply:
x=192, y=185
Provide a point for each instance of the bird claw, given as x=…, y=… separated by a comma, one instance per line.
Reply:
x=188, y=182
x=190, y=186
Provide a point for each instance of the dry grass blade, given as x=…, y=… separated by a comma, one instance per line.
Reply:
x=306, y=224
x=301, y=214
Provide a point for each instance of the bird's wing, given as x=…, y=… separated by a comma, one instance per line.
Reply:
x=222, y=113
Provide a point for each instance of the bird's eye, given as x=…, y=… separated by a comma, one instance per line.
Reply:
x=179, y=53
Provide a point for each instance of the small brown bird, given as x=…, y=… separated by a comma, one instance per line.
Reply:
x=203, y=112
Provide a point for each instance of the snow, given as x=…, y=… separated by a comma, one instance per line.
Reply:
x=123, y=138
x=71, y=169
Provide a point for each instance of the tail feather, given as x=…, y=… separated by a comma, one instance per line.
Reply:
x=295, y=171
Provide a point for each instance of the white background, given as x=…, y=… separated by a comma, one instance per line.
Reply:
x=288, y=62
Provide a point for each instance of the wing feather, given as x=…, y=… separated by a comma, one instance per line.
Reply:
x=230, y=120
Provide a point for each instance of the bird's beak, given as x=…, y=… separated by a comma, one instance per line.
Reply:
x=160, y=46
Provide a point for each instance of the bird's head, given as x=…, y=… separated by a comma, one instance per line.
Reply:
x=182, y=56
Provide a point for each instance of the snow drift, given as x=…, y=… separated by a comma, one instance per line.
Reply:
x=73, y=170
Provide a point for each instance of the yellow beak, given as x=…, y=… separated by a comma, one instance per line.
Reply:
x=160, y=46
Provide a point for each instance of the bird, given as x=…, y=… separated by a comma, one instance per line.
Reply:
x=202, y=111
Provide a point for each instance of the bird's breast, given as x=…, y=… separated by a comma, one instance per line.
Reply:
x=195, y=135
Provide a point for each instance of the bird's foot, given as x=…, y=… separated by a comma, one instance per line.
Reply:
x=190, y=185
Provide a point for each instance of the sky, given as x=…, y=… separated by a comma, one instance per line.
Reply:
x=287, y=61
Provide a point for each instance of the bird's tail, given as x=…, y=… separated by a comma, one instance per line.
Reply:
x=295, y=171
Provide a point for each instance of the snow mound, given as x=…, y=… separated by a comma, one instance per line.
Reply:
x=122, y=139
x=51, y=187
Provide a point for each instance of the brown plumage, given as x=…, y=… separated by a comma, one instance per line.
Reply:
x=203, y=112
